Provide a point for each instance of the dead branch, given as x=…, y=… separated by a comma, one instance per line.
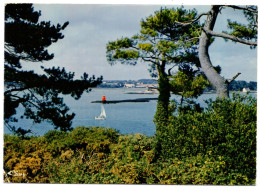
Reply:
x=229, y=81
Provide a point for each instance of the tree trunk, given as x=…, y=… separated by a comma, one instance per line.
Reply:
x=218, y=82
x=161, y=115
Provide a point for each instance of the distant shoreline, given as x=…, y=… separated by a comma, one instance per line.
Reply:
x=201, y=94
x=154, y=92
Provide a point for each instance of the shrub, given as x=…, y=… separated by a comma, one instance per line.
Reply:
x=131, y=158
x=226, y=128
x=198, y=170
x=37, y=158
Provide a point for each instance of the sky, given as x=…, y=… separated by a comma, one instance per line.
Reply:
x=92, y=26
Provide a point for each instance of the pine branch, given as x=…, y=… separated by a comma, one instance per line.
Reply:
x=25, y=100
x=15, y=90
x=169, y=70
x=242, y=8
x=149, y=60
x=192, y=21
x=230, y=37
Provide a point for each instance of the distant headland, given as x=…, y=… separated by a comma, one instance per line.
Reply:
x=152, y=85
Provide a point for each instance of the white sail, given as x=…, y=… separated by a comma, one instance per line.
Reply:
x=102, y=114
x=103, y=111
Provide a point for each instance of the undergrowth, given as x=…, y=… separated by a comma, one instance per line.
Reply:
x=216, y=146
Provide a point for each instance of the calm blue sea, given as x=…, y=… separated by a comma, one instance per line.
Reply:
x=128, y=118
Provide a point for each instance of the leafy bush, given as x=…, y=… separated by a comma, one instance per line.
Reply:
x=34, y=156
x=227, y=128
x=131, y=158
x=198, y=170
x=87, y=139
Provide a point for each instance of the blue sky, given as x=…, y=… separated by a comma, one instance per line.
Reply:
x=91, y=27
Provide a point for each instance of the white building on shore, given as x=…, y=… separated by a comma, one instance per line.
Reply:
x=130, y=85
x=245, y=90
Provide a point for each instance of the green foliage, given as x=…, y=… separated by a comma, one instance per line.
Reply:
x=242, y=31
x=148, y=32
x=227, y=129
x=127, y=54
x=161, y=115
x=146, y=47
x=121, y=43
x=245, y=31
x=167, y=21
x=199, y=170
x=166, y=46
x=188, y=84
x=38, y=157
x=121, y=51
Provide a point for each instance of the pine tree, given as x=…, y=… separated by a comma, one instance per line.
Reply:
x=27, y=39
x=162, y=44
x=245, y=34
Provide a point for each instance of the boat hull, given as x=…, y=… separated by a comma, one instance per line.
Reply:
x=100, y=118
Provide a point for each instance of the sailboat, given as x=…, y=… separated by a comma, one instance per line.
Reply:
x=102, y=115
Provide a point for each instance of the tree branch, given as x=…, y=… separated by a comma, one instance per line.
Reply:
x=190, y=39
x=149, y=60
x=9, y=127
x=24, y=100
x=169, y=70
x=230, y=37
x=15, y=90
x=242, y=8
x=192, y=21
x=229, y=81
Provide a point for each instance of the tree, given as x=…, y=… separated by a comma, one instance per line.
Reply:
x=161, y=51
x=241, y=33
x=245, y=34
x=188, y=83
x=26, y=39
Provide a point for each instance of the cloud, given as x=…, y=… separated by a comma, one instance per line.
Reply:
x=92, y=26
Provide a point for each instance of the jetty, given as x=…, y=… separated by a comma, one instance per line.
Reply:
x=125, y=100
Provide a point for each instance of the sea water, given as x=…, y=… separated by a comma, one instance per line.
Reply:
x=126, y=117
